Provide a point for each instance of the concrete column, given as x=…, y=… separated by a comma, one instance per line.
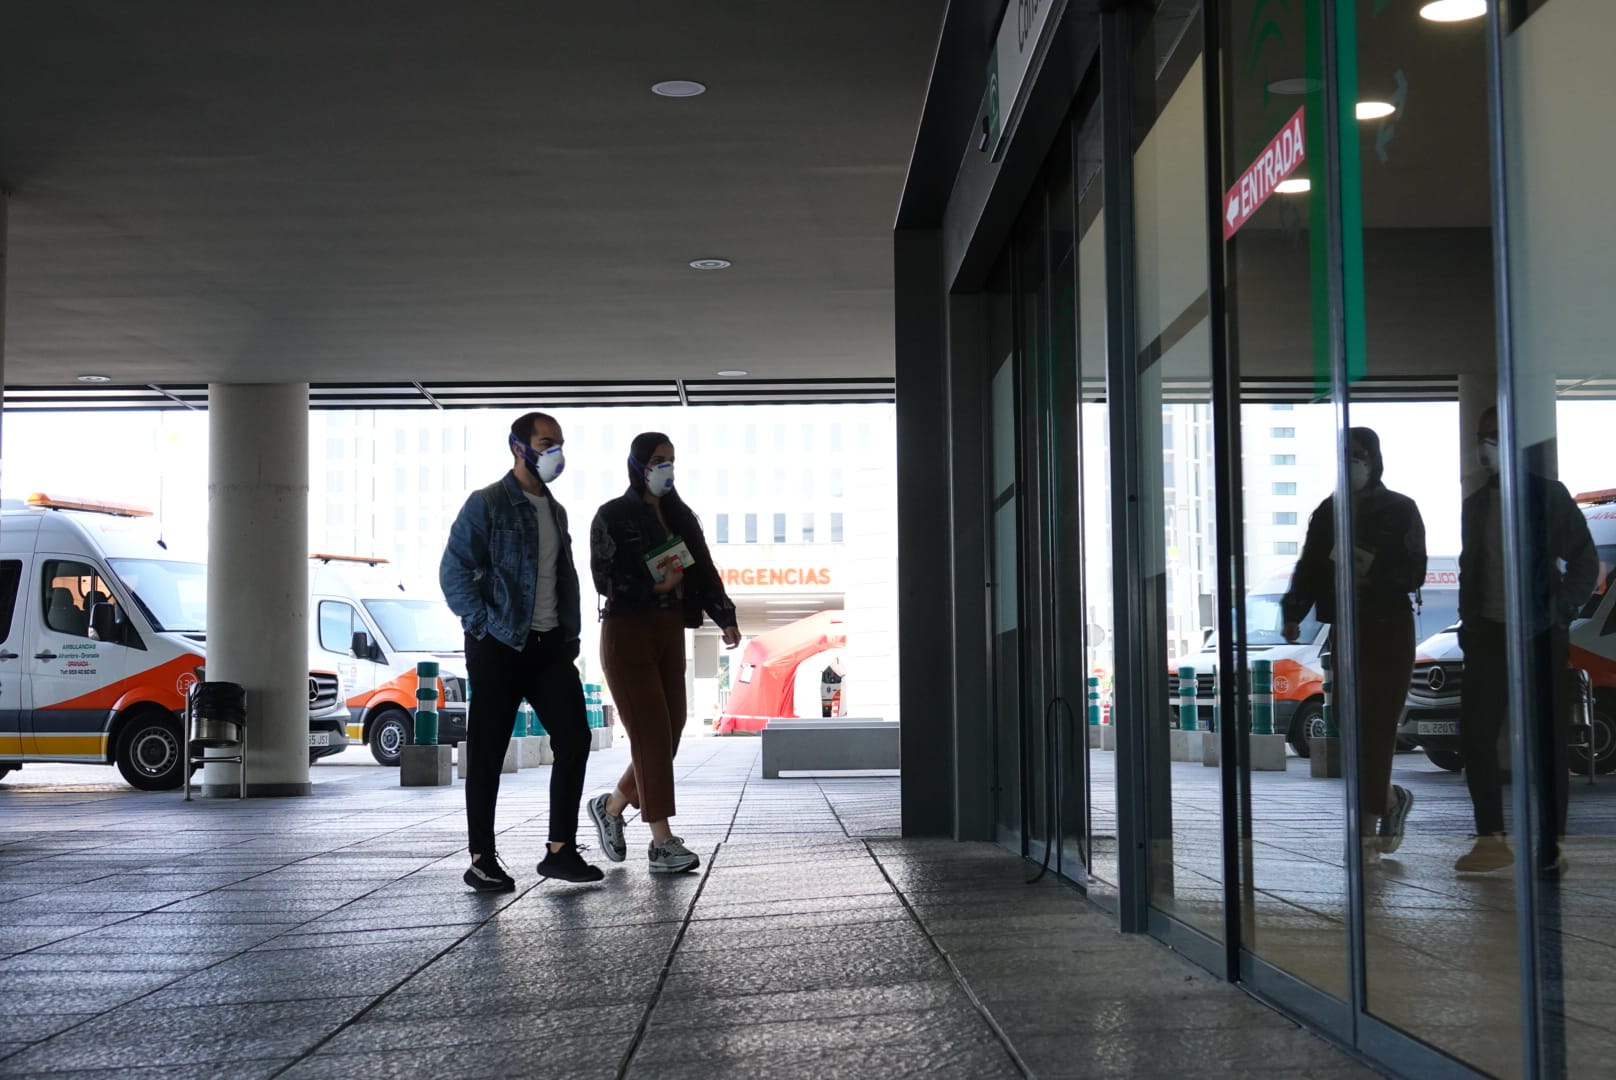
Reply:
x=5, y=204
x=258, y=577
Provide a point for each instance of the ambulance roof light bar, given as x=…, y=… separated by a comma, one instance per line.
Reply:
x=41, y=501
x=1596, y=498
x=367, y=560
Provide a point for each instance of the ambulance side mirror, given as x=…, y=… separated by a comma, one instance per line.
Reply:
x=366, y=649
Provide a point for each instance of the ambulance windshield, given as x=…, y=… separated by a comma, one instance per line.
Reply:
x=173, y=595
x=418, y=625
x=1265, y=622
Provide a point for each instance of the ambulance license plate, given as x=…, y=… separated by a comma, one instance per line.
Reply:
x=1436, y=727
x=319, y=738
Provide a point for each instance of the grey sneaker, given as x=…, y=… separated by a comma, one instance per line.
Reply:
x=1391, y=824
x=609, y=827
x=672, y=857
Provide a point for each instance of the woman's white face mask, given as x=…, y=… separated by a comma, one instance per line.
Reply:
x=659, y=478
x=1487, y=454
x=1360, y=475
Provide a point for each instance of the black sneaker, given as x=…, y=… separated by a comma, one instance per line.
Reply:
x=1395, y=819
x=568, y=865
x=487, y=875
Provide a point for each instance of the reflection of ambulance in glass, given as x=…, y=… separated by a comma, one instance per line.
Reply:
x=374, y=632
x=1298, y=667
x=101, y=632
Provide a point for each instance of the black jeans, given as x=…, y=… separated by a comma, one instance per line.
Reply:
x=500, y=678
x=1484, y=716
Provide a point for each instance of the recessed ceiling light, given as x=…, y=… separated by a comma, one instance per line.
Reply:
x=1294, y=186
x=709, y=264
x=1375, y=110
x=1453, y=10
x=1295, y=86
x=95, y=378
x=731, y=373
x=678, y=88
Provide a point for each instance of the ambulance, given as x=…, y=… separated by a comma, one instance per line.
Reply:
x=102, y=629
x=1298, y=667
x=374, y=632
x=1431, y=715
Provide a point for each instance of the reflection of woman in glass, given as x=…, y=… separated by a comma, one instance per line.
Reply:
x=1389, y=566
x=652, y=565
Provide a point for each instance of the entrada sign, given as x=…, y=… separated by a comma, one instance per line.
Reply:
x=1020, y=32
x=1282, y=156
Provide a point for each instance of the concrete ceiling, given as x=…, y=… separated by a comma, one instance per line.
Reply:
x=369, y=191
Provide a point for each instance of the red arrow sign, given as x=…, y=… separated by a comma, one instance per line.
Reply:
x=1281, y=158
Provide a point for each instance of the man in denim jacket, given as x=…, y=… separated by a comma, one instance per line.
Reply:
x=508, y=574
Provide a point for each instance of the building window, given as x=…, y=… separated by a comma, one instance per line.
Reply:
x=1286, y=487
x=779, y=487
x=808, y=438
x=400, y=442
x=1285, y=517
x=807, y=528
x=751, y=528
x=749, y=485
x=1285, y=547
x=693, y=439
x=836, y=528
x=836, y=438
x=836, y=483
x=426, y=441
x=1284, y=459
x=749, y=439
x=721, y=483
x=779, y=528
x=1281, y=407
x=1283, y=432
x=721, y=529
x=780, y=439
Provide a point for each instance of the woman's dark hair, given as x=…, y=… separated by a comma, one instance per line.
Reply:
x=681, y=519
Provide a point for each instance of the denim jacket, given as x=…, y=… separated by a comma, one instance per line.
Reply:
x=490, y=569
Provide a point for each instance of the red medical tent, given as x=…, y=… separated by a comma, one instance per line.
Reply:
x=764, y=686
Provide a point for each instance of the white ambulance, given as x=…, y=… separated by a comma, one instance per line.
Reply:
x=1298, y=668
x=102, y=629
x=374, y=632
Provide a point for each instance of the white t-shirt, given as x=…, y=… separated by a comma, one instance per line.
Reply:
x=545, y=616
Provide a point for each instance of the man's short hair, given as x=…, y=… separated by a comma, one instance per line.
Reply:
x=523, y=428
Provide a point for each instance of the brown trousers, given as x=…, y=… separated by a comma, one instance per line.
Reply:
x=644, y=659
x=1385, y=662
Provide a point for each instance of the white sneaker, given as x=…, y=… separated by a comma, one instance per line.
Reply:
x=672, y=857
x=609, y=828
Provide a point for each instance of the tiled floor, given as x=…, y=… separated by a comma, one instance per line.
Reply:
x=331, y=937
x=1442, y=959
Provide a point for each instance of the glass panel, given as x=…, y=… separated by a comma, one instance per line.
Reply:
x=1440, y=943
x=1179, y=581
x=1557, y=78
x=1095, y=459
x=1033, y=493
x=1293, y=873
x=1005, y=608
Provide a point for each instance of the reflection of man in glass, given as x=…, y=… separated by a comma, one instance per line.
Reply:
x=1555, y=533
x=1389, y=566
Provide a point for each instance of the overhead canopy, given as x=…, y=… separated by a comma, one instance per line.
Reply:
x=765, y=686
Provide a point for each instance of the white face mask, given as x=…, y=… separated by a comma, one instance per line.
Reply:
x=1487, y=454
x=1360, y=475
x=545, y=464
x=659, y=479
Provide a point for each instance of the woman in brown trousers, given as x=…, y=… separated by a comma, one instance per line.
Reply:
x=652, y=565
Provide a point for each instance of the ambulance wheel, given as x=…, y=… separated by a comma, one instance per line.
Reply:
x=1307, y=722
x=1604, y=739
x=390, y=733
x=151, y=753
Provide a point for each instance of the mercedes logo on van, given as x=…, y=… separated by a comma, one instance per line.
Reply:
x=314, y=691
x=1438, y=678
